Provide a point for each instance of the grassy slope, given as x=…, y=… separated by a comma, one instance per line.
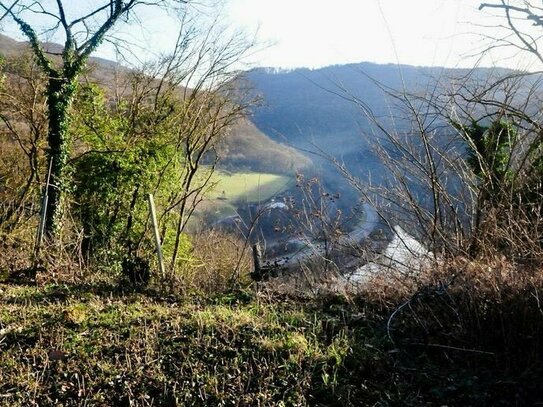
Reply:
x=249, y=186
x=99, y=346
x=71, y=345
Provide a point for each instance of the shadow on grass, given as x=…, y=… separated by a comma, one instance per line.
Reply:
x=63, y=292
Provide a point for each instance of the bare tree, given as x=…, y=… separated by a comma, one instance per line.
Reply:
x=23, y=115
x=464, y=165
x=521, y=17
x=82, y=30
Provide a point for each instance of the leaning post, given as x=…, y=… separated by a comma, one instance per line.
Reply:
x=157, y=236
x=43, y=214
x=257, y=263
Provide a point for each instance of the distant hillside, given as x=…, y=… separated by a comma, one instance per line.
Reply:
x=247, y=148
x=11, y=47
x=250, y=149
x=311, y=108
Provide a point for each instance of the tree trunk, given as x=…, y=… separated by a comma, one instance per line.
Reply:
x=60, y=93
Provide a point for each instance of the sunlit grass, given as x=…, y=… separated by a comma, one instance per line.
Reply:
x=248, y=186
x=70, y=346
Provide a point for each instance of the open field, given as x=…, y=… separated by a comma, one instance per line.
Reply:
x=233, y=189
x=248, y=187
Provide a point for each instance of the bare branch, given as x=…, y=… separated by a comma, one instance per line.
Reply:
x=27, y=30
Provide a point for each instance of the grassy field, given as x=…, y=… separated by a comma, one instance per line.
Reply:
x=234, y=189
x=248, y=187
x=100, y=344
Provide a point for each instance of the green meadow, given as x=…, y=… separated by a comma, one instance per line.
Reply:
x=231, y=190
x=248, y=187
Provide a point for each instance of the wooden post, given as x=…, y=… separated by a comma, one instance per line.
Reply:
x=157, y=236
x=257, y=262
x=43, y=213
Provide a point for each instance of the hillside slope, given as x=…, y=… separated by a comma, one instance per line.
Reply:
x=315, y=109
x=247, y=147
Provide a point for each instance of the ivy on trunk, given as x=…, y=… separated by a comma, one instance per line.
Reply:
x=60, y=93
x=63, y=75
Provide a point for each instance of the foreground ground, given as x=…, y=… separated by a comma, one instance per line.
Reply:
x=100, y=345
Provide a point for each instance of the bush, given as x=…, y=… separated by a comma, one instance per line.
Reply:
x=218, y=263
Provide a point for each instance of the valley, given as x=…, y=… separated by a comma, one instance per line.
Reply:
x=188, y=225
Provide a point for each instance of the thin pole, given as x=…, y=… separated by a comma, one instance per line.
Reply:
x=43, y=213
x=157, y=236
x=257, y=263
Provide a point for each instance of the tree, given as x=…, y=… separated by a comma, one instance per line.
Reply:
x=82, y=33
x=521, y=16
x=152, y=133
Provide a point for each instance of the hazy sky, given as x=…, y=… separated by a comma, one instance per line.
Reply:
x=314, y=33
x=321, y=32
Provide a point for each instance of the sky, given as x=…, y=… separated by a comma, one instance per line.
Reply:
x=316, y=33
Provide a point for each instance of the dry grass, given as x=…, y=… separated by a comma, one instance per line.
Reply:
x=218, y=262
x=92, y=345
x=482, y=316
x=464, y=333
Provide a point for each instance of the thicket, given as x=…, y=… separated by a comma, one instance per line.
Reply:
x=85, y=157
x=149, y=135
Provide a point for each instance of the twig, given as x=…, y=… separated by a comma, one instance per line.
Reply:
x=436, y=345
x=389, y=322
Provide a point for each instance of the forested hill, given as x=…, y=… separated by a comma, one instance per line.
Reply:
x=247, y=148
x=314, y=107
